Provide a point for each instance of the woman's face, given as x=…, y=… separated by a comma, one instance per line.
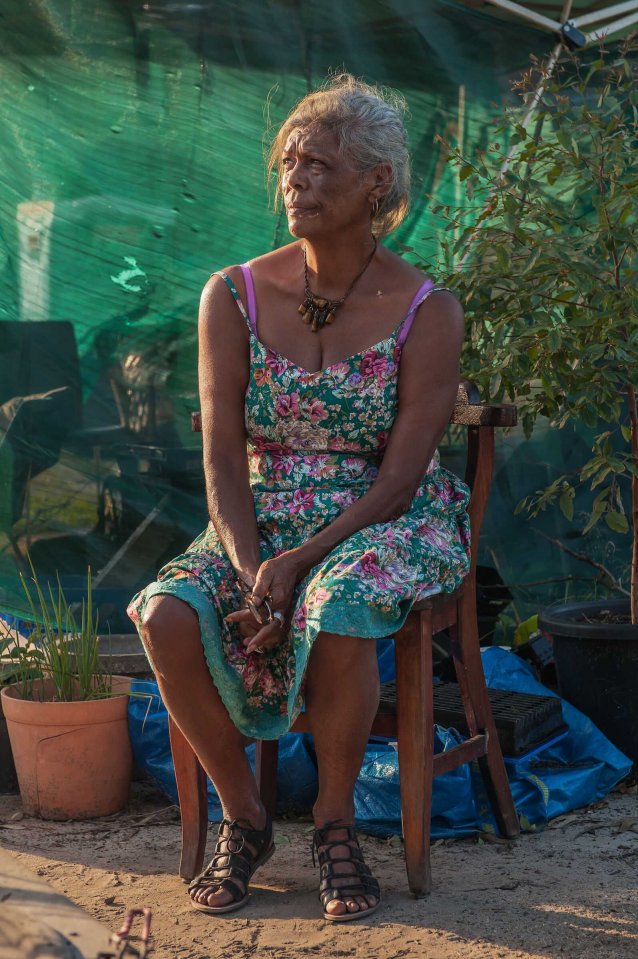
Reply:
x=323, y=192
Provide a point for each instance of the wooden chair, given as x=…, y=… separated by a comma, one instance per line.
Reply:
x=412, y=723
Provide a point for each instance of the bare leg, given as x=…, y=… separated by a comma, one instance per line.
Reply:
x=170, y=631
x=342, y=696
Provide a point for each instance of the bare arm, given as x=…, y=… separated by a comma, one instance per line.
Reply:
x=223, y=377
x=428, y=384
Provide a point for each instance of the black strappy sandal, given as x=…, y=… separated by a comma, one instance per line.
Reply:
x=236, y=865
x=339, y=885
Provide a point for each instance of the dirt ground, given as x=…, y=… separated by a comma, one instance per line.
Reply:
x=569, y=891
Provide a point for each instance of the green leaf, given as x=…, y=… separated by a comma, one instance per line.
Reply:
x=465, y=172
x=595, y=352
x=626, y=213
x=596, y=513
x=503, y=257
x=566, y=503
x=617, y=522
x=495, y=385
x=581, y=320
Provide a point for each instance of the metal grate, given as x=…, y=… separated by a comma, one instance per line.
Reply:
x=523, y=720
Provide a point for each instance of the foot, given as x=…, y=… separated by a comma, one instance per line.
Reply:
x=240, y=850
x=347, y=887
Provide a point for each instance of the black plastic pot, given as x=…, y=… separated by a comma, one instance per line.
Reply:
x=597, y=665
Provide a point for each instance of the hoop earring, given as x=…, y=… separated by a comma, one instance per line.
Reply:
x=375, y=209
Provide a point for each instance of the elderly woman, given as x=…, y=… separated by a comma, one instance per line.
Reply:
x=327, y=373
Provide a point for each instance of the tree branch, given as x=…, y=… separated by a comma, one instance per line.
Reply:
x=586, y=559
x=633, y=420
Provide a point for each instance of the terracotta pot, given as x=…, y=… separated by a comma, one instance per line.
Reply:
x=73, y=760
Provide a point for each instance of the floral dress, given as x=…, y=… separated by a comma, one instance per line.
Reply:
x=314, y=445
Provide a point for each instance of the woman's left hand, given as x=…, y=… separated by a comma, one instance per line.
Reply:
x=276, y=579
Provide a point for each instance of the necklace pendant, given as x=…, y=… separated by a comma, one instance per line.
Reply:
x=321, y=314
x=307, y=311
x=317, y=311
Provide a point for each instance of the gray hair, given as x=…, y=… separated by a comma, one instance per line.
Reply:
x=368, y=124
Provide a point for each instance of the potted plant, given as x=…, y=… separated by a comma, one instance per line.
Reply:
x=547, y=270
x=67, y=716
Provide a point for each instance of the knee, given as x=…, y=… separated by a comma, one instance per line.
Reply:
x=169, y=628
x=350, y=652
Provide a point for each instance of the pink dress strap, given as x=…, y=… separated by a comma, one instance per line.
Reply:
x=250, y=296
x=421, y=295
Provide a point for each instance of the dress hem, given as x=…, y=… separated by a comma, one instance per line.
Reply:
x=232, y=698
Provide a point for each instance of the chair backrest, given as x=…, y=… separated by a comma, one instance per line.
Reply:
x=481, y=420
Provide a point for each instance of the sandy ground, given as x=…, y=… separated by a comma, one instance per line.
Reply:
x=569, y=891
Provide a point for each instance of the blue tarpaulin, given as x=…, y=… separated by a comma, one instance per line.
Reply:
x=577, y=770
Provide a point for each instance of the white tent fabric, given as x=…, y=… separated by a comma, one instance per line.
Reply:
x=569, y=23
x=571, y=18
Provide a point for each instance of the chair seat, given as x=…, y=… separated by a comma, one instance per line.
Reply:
x=443, y=606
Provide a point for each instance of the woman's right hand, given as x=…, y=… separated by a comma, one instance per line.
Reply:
x=256, y=636
x=247, y=627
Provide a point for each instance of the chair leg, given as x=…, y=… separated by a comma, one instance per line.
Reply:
x=455, y=632
x=415, y=735
x=491, y=765
x=266, y=756
x=193, y=802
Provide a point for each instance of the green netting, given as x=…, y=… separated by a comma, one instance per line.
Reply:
x=131, y=160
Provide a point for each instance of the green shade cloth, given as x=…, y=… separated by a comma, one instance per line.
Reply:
x=131, y=167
